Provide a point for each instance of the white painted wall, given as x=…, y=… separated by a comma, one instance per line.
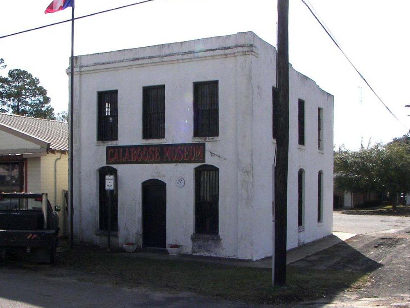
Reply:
x=244, y=65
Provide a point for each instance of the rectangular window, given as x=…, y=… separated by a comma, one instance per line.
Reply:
x=275, y=115
x=301, y=122
x=206, y=200
x=320, y=196
x=206, y=109
x=12, y=177
x=301, y=193
x=320, y=129
x=107, y=115
x=153, y=112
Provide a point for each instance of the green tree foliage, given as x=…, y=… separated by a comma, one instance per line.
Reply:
x=380, y=168
x=2, y=65
x=62, y=116
x=22, y=94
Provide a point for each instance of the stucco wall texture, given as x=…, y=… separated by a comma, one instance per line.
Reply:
x=244, y=151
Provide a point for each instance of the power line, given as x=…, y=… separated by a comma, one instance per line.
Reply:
x=69, y=20
x=348, y=59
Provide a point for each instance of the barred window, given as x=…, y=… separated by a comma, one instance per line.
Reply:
x=104, y=203
x=275, y=115
x=301, y=122
x=301, y=197
x=206, y=200
x=153, y=110
x=320, y=196
x=206, y=109
x=107, y=115
x=320, y=129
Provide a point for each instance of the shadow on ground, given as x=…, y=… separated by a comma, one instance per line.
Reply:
x=323, y=275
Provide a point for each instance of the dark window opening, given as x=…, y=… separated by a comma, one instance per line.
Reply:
x=153, y=110
x=275, y=114
x=301, y=122
x=320, y=129
x=320, y=196
x=104, y=202
x=301, y=188
x=12, y=177
x=107, y=115
x=207, y=200
x=206, y=109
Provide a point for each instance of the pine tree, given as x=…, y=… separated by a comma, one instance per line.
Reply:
x=22, y=94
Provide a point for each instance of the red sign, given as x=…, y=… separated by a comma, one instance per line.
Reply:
x=182, y=153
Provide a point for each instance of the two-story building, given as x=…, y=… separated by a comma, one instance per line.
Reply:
x=187, y=131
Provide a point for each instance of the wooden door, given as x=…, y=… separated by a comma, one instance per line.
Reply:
x=154, y=213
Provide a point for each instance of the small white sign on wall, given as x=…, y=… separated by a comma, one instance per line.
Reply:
x=109, y=182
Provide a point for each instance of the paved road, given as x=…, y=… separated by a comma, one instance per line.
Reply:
x=369, y=224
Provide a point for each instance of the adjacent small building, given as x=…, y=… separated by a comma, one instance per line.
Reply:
x=34, y=158
x=186, y=131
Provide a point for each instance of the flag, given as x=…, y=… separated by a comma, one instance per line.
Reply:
x=58, y=5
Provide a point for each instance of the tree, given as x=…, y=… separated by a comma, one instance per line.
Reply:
x=356, y=171
x=62, y=116
x=22, y=94
x=381, y=168
x=2, y=65
x=395, y=169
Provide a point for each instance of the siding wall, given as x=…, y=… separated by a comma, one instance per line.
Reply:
x=11, y=142
x=34, y=174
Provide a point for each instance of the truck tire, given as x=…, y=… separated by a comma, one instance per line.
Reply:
x=52, y=253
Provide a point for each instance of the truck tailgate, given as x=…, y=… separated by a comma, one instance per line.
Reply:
x=27, y=238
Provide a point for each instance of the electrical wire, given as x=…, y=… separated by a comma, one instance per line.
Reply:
x=76, y=18
x=348, y=59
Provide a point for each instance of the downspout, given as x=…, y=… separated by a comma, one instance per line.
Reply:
x=55, y=179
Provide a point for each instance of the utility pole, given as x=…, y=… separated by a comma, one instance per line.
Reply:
x=282, y=144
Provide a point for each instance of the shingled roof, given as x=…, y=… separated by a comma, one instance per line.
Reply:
x=53, y=132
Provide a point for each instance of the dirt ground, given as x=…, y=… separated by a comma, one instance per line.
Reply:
x=382, y=250
x=379, y=253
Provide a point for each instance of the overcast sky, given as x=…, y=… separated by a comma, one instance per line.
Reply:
x=374, y=33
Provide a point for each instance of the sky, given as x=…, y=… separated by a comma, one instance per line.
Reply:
x=373, y=33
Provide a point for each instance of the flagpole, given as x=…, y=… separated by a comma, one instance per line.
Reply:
x=71, y=128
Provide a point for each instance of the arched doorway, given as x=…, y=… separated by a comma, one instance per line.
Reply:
x=154, y=213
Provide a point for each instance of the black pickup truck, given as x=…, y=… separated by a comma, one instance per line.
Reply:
x=28, y=224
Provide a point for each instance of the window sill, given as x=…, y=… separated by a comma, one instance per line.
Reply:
x=154, y=141
x=205, y=139
x=108, y=142
x=301, y=229
x=301, y=147
x=321, y=151
x=105, y=233
x=207, y=237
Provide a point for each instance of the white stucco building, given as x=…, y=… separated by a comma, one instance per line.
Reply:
x=187, y=130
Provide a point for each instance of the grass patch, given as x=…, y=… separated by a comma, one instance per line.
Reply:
x=401, y=210
x=251, y=285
